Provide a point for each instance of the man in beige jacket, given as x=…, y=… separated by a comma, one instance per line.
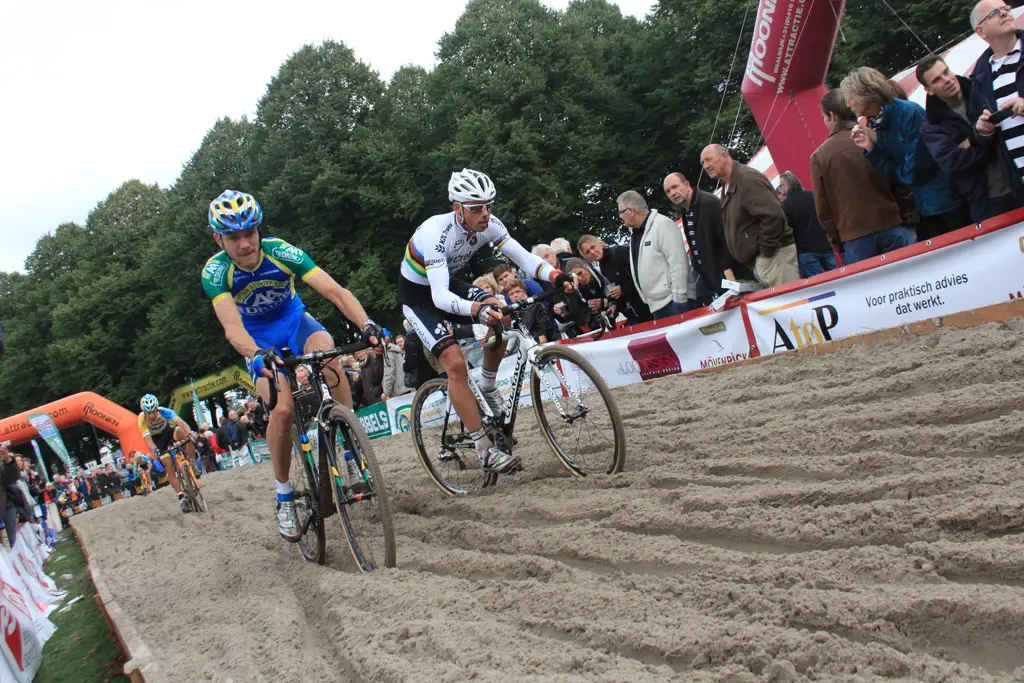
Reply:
x=658, y=263
x=756, y=232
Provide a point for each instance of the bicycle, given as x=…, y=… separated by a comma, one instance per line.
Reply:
x=561, y=381
x=183, y=469
x=355, y=482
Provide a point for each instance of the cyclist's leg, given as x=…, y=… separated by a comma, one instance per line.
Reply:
x=162, y=441
x=169, y=469
x=435, y=334
x=462, y=398
x=279, y=430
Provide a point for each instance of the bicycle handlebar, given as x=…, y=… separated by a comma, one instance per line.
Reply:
x=290, y=361
x=499, y=329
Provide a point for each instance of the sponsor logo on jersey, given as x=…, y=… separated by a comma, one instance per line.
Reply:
x=444, y=238
x=287, y=253
x=251, y=288
x=214, y=272
x=262, y=302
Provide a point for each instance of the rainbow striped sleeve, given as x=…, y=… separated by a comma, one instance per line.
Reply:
x=414, y=258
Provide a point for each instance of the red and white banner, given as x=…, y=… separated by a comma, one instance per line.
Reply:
x=702, y=342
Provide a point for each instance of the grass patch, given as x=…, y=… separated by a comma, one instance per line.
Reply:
x=83, y=649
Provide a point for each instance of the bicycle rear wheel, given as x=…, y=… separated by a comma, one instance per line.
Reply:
x=305, y=480
x=577, y=413
x=364, y=509
x=442, y=443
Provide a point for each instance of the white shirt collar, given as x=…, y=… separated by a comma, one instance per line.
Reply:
x=997, y=62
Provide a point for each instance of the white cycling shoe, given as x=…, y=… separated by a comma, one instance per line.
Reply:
x=496, y=460
x=287, y=520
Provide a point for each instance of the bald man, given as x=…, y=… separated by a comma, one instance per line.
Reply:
x=756, y=233
x=995, y=81
x=703, y=231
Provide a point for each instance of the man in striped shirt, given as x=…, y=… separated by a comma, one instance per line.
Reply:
x=996, y=85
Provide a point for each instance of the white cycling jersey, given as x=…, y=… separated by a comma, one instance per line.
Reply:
x=440, y=246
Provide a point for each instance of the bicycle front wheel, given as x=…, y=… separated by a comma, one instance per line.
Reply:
x=577, y=413
x=305, y=479
x=191, y=488
x=442, y=443
x=363, y=507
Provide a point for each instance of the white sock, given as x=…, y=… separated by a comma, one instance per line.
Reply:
x=284, y=488
x=488, y=380
x=481, y=440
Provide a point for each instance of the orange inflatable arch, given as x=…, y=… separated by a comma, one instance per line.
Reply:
x=72, y=410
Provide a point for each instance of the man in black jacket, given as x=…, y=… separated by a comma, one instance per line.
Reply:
x=614, y=264
x=703, y=231
x=974, y=169
x=814, y=251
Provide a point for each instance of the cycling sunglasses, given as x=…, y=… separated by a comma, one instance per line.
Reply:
x=477, y=208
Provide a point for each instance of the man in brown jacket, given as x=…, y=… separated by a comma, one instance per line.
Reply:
x=853, y=201
x=756, y=232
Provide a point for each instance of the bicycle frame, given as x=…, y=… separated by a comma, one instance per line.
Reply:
x=526, y=351
x=318, y=386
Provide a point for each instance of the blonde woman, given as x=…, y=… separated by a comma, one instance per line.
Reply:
x=890, y=142
x=487, y=282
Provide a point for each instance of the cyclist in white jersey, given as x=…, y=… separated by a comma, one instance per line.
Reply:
x=430, y=296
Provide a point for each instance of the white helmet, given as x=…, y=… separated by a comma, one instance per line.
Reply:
x=468, y=185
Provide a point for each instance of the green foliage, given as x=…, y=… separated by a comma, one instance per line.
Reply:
x=565, y=110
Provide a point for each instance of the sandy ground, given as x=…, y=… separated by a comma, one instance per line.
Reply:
x=851, y=516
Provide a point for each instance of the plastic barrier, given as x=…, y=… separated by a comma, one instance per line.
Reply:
x=27, y=597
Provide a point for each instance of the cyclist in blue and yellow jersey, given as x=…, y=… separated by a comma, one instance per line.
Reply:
x=160, y=428
x=430, y=296
x=252, y=285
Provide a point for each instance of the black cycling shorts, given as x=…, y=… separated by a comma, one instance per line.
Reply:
x=429, y=321
x=162, y=440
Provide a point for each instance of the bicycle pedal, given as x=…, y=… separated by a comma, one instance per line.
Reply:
x=360, y=488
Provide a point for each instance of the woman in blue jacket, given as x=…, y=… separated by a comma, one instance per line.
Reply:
x=892, y=143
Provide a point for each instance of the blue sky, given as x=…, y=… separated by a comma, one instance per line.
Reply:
x=96, y=93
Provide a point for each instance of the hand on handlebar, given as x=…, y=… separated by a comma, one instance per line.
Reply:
x=372, y=333
x=487, y=314
x=566, y=281
x=263, y=358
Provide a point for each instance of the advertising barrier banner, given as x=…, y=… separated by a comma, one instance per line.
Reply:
x=697, y=344
x=980, y=272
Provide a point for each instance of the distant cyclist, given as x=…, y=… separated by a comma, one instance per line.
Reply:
x=161, y=427
x=252, y=285
x=430, y=295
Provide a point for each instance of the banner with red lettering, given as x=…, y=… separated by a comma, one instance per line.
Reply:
x=19, y=643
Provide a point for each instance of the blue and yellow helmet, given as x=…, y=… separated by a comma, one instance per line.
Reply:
x=233, y=211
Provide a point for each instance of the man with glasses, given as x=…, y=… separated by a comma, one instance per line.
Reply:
x=430, y=296
x=657, y=263
x=996, y=86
